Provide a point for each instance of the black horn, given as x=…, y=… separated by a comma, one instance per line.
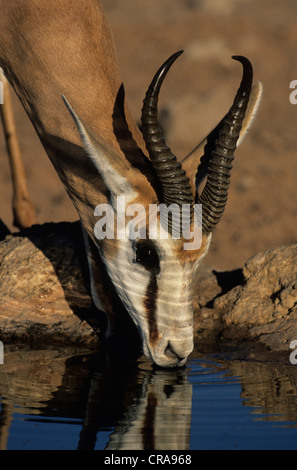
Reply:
x=175, y=184
x=215, y=193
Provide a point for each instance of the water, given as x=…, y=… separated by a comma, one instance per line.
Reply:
x=70, y=399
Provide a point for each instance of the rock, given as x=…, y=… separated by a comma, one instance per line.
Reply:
x=43, y=293
x=209, y=285
x=265, y=306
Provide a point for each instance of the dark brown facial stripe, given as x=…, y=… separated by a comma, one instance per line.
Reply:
x=150, y=304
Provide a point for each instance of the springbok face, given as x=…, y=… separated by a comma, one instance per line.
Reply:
x=153, y=274
x=155, y=287
x=154, y=281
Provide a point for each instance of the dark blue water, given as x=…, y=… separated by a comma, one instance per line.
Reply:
x=68, y=399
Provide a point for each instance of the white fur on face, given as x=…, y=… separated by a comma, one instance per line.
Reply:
x=172, y=314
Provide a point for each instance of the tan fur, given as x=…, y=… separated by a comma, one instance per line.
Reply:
x=53, y=48
x=190, y=256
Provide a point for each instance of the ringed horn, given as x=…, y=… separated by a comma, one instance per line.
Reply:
x=174, y=182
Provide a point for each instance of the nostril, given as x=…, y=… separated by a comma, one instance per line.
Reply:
x=172, y=354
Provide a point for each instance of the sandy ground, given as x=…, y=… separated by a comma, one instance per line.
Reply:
x=262, y=207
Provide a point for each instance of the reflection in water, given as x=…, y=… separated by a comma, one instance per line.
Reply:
x=142, y=408
x=127, y=405
x=270, y=388
x=160, y=416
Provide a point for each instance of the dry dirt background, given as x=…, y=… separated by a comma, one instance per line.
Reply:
x=262, y=206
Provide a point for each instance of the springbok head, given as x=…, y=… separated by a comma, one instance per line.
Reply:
x=152, y=273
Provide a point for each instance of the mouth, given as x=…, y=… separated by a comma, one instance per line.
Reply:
x=164, y=357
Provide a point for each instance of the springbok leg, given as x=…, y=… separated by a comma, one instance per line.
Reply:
x=23, y=210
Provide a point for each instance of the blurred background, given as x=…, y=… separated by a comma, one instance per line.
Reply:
x=262, y=207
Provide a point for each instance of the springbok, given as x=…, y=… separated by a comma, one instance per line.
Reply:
x=50, y=50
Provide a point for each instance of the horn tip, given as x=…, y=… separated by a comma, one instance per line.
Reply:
x=241, y=58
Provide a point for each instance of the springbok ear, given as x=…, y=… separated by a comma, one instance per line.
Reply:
x=190, y=162
x=112, y=168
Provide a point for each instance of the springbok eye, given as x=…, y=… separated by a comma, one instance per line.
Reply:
x=147, y=256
